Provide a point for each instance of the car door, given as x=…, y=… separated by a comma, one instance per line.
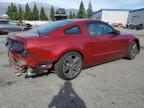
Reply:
x=3, y=25
x=13, y=26
x=106, y=45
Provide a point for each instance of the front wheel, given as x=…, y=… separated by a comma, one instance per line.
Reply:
x=132, y=51
x=69, y=66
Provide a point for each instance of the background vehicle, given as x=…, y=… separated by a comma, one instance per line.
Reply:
x=7, y=26
x=60, y=11
x=61, y=14
x=137, y=27
x=118, y=25
x=69, y=46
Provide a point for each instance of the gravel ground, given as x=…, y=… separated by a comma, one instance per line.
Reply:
x=117, y=84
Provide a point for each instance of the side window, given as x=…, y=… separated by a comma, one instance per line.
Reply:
x=98, y=29
x=106, y=29
x=3, y=22
x=12, y=23
x=73, y=30
x=94, y=29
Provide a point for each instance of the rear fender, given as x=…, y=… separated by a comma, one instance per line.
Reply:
x=69, y=50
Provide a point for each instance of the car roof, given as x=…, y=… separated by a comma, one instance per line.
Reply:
x=83, y=20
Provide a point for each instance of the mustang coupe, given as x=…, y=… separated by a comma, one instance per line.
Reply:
x=68, y=46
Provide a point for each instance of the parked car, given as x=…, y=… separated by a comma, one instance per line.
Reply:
x=60, y=14
x=118, y=25
x=129, y=26
x=133, y=26
x=68, y=46
x=139, y=27
x=7, y=26
x=61, y=11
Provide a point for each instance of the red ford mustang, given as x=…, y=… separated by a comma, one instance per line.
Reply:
x=67, y=46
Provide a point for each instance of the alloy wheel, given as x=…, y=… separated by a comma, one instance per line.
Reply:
x=72, y=66
x=133, y=50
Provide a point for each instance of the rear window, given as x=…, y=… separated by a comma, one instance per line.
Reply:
x=44, y=29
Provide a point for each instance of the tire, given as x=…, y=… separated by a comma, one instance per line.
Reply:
x=132, y=51
x=69, y=65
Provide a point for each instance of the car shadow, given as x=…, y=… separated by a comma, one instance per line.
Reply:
x=67, y=98
x=42, y=74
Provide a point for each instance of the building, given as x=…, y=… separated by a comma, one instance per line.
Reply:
x=136, y=17
x=112, y=16
x=4, y=17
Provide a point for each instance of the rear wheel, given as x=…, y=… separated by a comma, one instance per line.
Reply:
x=69, y=66
x=132, y=51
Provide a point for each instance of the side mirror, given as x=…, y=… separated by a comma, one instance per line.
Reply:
x=24, y=29
x=114, y=32
x=28, y=25
x=117, y=32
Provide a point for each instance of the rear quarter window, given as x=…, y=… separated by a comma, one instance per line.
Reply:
x=73, y=30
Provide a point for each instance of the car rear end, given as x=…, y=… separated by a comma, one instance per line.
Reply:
x=16, y=52
x=33, y=51
x=19, y=56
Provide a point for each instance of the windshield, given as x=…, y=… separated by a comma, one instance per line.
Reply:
x=44, y=29
x=12, y=22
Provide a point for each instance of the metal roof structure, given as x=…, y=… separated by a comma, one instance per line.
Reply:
x=137, y=10
x=111, y=10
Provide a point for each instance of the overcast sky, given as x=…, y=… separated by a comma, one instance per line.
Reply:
x=97, y=4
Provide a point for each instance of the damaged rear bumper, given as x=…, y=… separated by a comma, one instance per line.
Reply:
x=25, y=66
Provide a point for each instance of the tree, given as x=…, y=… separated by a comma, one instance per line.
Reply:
x=52, y=13
x=20, y=13
x=8, y=12
x=28, y=14
x=35, y=12
x=74, y=15
x=89, y=10
x=12, y=11
x=81, y=13
x=43, y=15
x=70, y=15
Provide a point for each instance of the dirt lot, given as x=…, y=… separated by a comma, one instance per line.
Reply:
x=117, y=84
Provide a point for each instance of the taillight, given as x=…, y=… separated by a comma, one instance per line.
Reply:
x=13, y=45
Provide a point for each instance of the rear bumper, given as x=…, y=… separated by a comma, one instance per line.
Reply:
x=21, y=64
x=17, y=64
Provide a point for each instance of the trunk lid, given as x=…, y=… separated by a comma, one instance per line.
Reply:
x=22, y=35
x=16, y=41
